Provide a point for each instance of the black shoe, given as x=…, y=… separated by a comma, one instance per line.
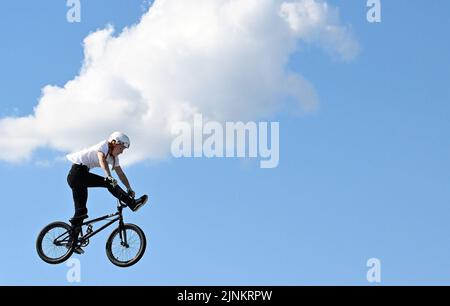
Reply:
x=138, y=203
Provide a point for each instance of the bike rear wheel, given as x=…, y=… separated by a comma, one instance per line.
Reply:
x=53, y=244
x=126, y=246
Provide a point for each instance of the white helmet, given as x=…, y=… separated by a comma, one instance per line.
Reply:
x=120, y=138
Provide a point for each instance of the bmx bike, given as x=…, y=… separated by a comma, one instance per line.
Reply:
x=125, y=246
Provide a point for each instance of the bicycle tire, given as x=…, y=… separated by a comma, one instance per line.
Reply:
x=67, y=251
x=129, y=228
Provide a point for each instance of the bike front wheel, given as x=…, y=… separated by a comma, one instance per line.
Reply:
x=53, y=244
x=126, y=245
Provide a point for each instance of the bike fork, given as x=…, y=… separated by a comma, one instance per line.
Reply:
x=123, y=234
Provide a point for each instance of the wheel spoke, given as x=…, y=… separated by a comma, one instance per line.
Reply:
x=126, y=254
x=48, y=246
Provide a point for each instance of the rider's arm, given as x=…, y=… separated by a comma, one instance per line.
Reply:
x=123, y=178
x=102, y=159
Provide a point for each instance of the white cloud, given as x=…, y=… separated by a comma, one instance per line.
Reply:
x=224, y=58
x=318, y=23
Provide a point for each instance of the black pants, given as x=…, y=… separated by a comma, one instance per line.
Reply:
x=80, y=179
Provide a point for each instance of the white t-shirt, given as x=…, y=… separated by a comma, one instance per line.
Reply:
x=88, y=157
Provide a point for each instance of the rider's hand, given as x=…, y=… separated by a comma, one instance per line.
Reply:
x=131, y=193
x=111, y=181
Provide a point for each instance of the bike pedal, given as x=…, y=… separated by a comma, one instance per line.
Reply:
x=78, y=251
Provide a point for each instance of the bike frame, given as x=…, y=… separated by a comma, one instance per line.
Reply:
x=117, y=217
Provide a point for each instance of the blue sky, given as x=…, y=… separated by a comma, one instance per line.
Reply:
x=365, y=175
